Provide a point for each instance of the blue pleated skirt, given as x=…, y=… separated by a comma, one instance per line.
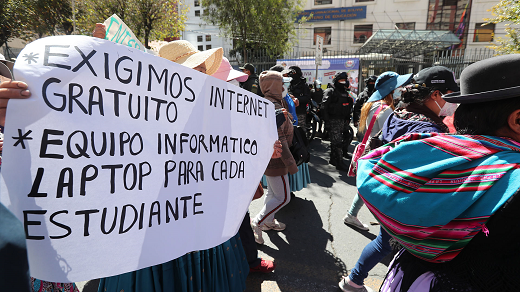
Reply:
x=298, y=180
x=222, y=268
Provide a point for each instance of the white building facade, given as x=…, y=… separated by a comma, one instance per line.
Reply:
x=201, y=35
x=359, y=19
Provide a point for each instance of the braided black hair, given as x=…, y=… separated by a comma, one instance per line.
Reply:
x=419, y=93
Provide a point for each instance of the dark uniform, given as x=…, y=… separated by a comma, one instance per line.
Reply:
x=363, y=97
x=252, y=84
x=317, y=96
x=301, y=91
x=337, y=108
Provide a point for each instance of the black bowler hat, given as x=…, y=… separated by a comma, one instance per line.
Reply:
x=491, y=79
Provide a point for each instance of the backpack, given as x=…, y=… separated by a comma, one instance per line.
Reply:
x=299, y=144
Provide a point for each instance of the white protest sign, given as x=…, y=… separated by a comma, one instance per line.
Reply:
x=122, y=160
x=119, y=32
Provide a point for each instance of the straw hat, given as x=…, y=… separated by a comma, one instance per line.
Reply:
x=184, y=53
x=6, y=67
x=226, y=72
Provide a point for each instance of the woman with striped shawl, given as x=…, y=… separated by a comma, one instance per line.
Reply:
x=424, y=105
x=450, y=200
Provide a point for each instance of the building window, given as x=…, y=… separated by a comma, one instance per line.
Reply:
x=208, y=38
x=484, y=33
x=200, y=48
x=197, y=12
x=364, y=1
x=405, y=25
x=325, y=33
x=362, y=33
x=199, y=38
x=449, y=2
x=208, y=47
x=196, y=3
x=322, y=2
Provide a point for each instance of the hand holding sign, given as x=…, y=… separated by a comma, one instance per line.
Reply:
x=123, y=159
x=10, y=89
x=100, y=31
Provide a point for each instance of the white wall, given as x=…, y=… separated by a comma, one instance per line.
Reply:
x=478, y=13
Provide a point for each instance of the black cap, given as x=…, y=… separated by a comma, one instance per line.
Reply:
x=249, y=67
x=437, y=76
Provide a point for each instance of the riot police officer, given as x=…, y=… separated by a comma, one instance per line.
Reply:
x=363, y=97
x=337, y=108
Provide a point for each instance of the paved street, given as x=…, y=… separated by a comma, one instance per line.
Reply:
x=317, y=248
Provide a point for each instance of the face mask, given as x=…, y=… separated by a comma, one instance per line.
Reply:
x=343, y=82
x=397, y=93
x=448, y=109
x=234, y=82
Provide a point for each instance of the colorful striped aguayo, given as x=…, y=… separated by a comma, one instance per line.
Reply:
x=435, y=192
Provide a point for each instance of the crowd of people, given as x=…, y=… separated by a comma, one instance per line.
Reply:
x=446, y=202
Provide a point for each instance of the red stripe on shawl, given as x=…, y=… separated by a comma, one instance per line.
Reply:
x=480, y=167
x=454, y=190
x=406, y=173
x=465, y=148
x=381, y=179
x=498, y=142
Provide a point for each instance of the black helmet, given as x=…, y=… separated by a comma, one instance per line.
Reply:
x=297, y=71
x=338, y=76
x=371, y=78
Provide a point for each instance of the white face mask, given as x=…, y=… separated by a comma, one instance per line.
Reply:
x=343, y=82
x=234, y=82
x=397, y=93
x=448, y=109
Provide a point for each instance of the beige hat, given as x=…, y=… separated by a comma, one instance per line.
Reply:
x=184, y=53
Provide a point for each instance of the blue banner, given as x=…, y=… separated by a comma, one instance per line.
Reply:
x=331, y=14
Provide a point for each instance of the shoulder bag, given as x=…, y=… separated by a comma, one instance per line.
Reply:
x=365, y=146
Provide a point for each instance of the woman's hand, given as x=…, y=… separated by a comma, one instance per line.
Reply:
x=295, y=100
x=277, y=150
x=99, y=31
x=10, y=89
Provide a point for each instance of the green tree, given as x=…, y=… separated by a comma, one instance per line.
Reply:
x=15, y=16
x=148, y=19
x=507, y=12
x=50, y=17
x=267, y=24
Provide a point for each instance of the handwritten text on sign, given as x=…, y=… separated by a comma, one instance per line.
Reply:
x=121, y=160
x=118, y=32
